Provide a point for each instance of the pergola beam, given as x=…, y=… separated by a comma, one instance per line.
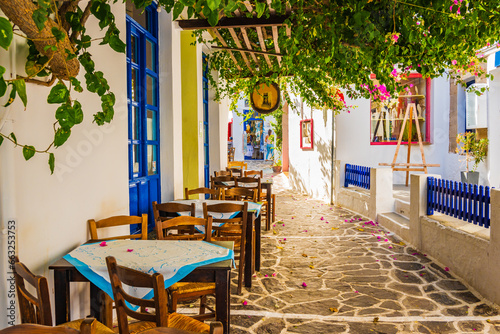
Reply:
x=234, y=22
x=246, y=50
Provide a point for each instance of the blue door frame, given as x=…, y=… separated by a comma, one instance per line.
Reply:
x=206, y=141
x=143, y=115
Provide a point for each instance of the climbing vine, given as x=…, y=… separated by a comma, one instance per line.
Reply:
x=331, y=45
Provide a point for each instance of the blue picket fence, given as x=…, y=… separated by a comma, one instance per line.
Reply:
x=464, y=201
x=357, y=176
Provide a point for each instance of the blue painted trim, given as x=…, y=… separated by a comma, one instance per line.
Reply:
x=497, y=59
x=206, y=115
x=357, y=176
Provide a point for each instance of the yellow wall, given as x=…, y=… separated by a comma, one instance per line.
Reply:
x=189, y=85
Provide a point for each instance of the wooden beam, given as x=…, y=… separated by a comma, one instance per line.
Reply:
x=238, y=44
x=246, y=50
x=223, y=42
x=263, y=46
x=247, y=43
x=233, y=22
x=276, y=46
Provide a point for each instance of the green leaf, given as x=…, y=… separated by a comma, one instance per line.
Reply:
x=213, y=4
x=117, y=44
x=61, y=136
x=28, y=152
x=51, y=162
x=190, y=12
x=213, y=18
x=13, y=136
x=58, y=94
x=12, y=96
x=3, y=87
x=20, y=85
x=1, y=140
x=77, y=113
x=178, y=7
x=40, y=17
x=6, y=33
x=58, y=34
x=77, y=86
x=260, y=7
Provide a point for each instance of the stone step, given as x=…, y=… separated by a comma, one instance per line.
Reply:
x=402, y=208
x=396, y=223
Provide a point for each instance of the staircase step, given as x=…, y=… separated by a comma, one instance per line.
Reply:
x=402, y=207
x=396, y=223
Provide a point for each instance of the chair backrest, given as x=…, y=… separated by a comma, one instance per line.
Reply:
x=235, y=171
x=240, y=164
x=120, y=221
x=119, y=275
x=233, y=229
x=223, y=173
x=240, y=194
x=217, y=182
x=169, y=210
x=35, y=309
x=183, y=222
x=249, y=182
x=253, y=173
x=214, y=193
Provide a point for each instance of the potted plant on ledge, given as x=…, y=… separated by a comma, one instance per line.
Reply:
x=473, y=150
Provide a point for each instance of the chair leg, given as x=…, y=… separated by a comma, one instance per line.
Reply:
x=241, y=271
x=172, y=306
x=273, y=207
x=203, y=302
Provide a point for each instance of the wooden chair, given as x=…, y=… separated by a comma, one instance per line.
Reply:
x=235, y=171
x=217, y=182
x=233, y=229
x=119, y=221
x=166, y=211
x=240, y=194
x=255, y=183
x=223, y=173
x=253, y=173
x=240, y=164
x=35, y=308
x=88, y=326
x=214, y=193
x=190, y=290
x=160, y=318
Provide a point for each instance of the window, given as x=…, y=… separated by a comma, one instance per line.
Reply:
x=387, y=116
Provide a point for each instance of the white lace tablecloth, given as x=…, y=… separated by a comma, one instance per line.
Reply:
x=174, y=259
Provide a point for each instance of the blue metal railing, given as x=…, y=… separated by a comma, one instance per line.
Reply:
x=357, y=176
x=464, y=201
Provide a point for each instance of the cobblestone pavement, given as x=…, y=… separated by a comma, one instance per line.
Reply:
x=326, y=269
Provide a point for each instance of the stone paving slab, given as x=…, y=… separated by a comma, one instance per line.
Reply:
x=326, y=269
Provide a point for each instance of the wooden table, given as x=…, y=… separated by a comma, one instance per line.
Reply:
x=65, y=272
x=252, y=254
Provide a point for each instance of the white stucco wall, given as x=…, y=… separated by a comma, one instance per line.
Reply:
x=310, y=170
x=91, y=175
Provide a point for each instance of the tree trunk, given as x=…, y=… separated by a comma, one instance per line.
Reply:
x=20, y=12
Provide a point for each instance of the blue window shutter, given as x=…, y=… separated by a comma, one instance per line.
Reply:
x=497, y=59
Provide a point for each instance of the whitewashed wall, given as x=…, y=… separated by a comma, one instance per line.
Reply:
x=310, y=170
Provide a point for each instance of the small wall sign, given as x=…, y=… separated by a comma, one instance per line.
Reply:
x=265, y=98
x=306, y=134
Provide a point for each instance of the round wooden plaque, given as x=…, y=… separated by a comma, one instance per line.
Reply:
x=265, y=99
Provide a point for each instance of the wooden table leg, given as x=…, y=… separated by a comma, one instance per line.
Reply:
x=258, y=230
x=61, y=296
x=96, y=303
x=269, y=213
x=249, y=250
x=222, y=298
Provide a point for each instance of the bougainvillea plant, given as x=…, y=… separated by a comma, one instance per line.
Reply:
x=332, y=45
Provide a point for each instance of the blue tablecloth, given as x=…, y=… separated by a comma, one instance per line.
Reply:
x=174, y=259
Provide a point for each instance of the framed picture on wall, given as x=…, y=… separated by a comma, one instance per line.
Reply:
x=306, y=134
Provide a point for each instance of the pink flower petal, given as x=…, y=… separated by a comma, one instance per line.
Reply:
x=245, y=302
x=304, y=284
x=446, y=269
x=265, y=275
x=274, y=274
x=284, y=239
x=130, y=250
x=322, y=218
x=103, y=244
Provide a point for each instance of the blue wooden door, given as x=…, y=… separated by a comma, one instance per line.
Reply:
x=143, y=113
x=206, y=147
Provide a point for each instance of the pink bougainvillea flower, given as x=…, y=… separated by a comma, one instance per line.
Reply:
x=245, y=303
x=326, y=222
x=265, y=275
x=130, y=250
x=305, y=230
x=446, y=269
x=322, y=218
x=274, y=274
x=453, y=62
x=390, y=247
x=395, y=38
x=423, y=267
x=386, y=240
x=292, y=217
x=345, y=220
x=103, y=244
x=304, y=284
x=356, y=291
x=284, y=239
x=377, y=260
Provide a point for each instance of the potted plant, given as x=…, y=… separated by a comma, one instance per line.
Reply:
x=277, y=166
x=474, y=151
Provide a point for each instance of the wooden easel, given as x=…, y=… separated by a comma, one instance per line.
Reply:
x=411, y=113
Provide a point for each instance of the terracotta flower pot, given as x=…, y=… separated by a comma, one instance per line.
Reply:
x=277, y=169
